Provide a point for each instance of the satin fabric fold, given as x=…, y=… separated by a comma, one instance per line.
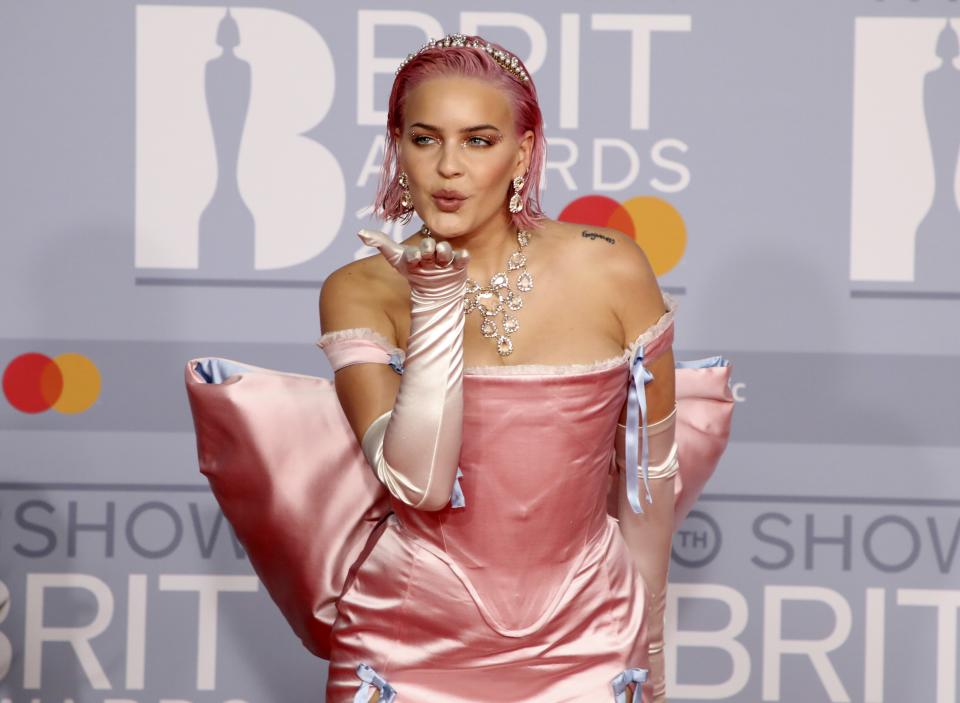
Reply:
x=704, y=420
x=290, y=478
x=428, y=609
x=529, y=593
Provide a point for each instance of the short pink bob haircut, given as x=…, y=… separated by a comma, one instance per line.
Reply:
x=472, y=63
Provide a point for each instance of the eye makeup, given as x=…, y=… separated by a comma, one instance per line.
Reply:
x=484, y=140
x=490, y=139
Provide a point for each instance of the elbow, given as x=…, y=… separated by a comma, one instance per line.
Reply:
x=399, y=485
x=432, y=502
x=410, y=484
x=427, y=499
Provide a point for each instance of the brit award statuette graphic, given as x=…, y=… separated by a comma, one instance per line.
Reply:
x=232, y=180
x=905, y=206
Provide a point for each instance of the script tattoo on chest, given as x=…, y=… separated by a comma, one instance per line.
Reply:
x=595, y=235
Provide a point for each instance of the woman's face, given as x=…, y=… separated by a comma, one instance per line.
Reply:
x=460, y=151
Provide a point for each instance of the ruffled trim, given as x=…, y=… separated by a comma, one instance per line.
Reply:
x=648, y=335
x=358, y=333
x=522, y=369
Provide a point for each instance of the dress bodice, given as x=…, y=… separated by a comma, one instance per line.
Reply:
x=535, y=460
x=536, y=451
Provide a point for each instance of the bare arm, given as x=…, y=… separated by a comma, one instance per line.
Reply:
x=348, y=299
x=414, y=446
x=648, y=535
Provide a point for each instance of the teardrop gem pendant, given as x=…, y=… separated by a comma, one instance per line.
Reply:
x=498, y=297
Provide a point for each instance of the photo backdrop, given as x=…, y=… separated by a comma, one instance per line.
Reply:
x=179, y=178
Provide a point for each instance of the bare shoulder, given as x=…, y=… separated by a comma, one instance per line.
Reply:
x=616, y=267
x=360, y=294
x=598, y=245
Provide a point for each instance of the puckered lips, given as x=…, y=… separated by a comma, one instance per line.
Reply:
x=448, y=200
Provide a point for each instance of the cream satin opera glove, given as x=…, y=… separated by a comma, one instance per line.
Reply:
x=415, y=447
x=649, y=536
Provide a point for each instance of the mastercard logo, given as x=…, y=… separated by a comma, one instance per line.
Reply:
x=68, y=383
x=653, y=223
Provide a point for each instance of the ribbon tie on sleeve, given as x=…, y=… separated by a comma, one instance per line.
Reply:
x=396, y=362
x=371, y=679
x=623, y=679
x=637, y=404
x=456, y=496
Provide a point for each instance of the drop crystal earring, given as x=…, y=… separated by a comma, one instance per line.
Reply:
x=516, y=202
x=406, y=200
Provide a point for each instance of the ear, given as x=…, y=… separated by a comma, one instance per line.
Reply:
x=524, y=153
x=397, y=139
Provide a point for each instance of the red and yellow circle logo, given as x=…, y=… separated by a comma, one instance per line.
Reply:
x=68, y=383
x=653, y=223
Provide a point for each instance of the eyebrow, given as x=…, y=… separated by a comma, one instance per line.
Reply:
x=475, y=128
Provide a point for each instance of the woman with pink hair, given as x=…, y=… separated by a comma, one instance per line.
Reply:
x=521, y=416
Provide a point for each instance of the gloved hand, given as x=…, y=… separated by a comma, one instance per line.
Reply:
x=415, y=447
x=649, y=536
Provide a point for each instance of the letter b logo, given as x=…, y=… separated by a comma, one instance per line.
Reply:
x=227, y=179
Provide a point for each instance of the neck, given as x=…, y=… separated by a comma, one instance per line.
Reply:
x=490, y=245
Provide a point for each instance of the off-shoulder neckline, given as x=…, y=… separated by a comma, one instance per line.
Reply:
x=533, y=369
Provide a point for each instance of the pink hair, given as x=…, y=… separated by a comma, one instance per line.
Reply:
x=473, y=63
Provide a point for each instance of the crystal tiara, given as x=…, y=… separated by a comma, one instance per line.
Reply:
x=507, y=61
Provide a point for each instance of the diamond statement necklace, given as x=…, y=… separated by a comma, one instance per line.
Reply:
x=498, y=298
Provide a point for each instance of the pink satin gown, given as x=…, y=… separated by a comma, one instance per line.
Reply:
x=526, y=592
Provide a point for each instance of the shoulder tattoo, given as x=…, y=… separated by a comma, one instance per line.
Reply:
x=595, y=235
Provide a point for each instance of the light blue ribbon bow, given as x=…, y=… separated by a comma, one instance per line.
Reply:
x=396, y=362
x=637, y=403
x=456, y=496
x=620, y=683
x=371, y=679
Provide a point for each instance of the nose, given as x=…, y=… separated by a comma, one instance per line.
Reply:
x=450, y=164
